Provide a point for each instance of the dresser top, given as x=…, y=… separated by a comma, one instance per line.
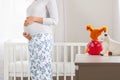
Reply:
x=85, y=58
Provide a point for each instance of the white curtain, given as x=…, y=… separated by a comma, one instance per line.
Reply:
x=12, y=15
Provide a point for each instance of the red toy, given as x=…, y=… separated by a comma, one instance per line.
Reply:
x=94, y=47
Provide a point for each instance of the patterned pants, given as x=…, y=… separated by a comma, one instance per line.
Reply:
x=40, y=47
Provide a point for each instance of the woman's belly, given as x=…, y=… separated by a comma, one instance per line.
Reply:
x=37, y=28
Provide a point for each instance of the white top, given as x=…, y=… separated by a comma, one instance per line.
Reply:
x=85, y=58
x=47, y=9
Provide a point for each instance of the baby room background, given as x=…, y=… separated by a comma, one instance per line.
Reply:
x=74, y=15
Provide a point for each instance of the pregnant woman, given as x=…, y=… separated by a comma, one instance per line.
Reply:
x=41, y=16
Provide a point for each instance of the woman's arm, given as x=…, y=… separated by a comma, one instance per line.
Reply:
x=53, y=13
x=51, y=20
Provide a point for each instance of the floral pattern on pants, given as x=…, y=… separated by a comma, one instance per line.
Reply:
x=40, y=47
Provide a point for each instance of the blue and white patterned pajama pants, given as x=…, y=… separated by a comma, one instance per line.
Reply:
x=40, y=47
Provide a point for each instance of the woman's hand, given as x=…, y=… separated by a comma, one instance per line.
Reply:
x=29, y=20
x=28, y=36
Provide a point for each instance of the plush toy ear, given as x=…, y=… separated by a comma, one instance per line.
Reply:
x=89, y=27
x=104, y=28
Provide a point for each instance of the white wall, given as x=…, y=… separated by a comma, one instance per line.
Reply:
x=59, y=29
x=116, y=20
x=79, y=13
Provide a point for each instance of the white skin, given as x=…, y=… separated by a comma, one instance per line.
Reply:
x=29, y=20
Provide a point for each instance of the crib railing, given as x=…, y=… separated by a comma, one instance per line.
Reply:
x=16, y=60
x=65, y=52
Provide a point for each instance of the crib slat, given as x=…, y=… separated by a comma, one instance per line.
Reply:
x=72, y=56
x=57, y=61
x=79, y=49
x=6, y=61
x=65, y=52
x=72, y=53
x=14, y=60
x=27, y=52
x=21, y=61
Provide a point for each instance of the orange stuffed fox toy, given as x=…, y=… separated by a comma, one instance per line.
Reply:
x=94, y=47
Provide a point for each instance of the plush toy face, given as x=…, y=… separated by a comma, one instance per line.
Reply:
x=96, y=32
x=104, y=37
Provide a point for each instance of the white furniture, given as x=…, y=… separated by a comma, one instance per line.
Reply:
x=97, y=67
x=17, y=64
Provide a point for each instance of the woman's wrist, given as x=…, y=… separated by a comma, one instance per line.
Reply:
x=38, y=19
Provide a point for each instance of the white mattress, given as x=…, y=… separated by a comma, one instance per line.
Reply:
x=69, y=68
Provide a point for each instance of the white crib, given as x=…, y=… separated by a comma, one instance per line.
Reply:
x=16, y=65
